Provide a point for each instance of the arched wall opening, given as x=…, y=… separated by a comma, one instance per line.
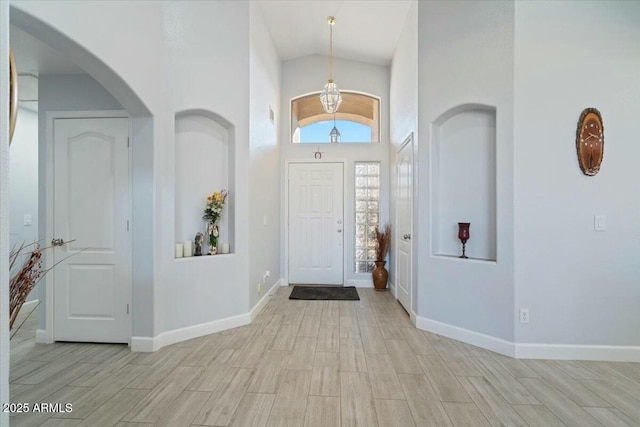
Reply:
x=142, y=167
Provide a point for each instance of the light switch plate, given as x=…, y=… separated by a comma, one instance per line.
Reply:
x=27, y=220
x=599, y=223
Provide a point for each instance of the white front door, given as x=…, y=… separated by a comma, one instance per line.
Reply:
x=404, y=207
x=316, y=228
x=91, y=206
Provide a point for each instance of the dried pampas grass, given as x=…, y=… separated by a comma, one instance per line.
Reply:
x=383, y=242
x=27, y=277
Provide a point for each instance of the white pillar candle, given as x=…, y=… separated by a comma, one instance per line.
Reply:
x=179, y=250
x=188, y=248
x=225, y=248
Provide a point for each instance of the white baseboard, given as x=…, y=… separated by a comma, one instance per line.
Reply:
x=28, y=306
x=183, y=334
x=392, y=288
x=147, y=344
x=264, y=300
x=465, y=335
x=41, y=337
x=143, y=344
x=611, y=353
x=359, y=283
x=532, y=351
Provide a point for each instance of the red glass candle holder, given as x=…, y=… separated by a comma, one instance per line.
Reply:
x=463, y=235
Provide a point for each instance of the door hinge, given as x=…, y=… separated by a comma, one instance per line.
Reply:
x=128, y=141
x=127, y=308
x=127, y=225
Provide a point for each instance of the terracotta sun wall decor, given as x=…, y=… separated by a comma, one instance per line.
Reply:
x=590, y=141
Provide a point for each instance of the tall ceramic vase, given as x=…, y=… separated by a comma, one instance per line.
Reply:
x=380, y=276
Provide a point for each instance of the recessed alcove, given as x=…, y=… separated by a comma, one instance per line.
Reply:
x=463, y=171
x=204, y=163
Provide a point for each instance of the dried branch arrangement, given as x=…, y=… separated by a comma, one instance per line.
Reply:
x=27, y=277
x=383, y=242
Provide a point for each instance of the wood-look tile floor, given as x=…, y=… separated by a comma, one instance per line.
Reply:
x=317, y=364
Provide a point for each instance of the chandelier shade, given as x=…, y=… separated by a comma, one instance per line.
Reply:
x=330, y=97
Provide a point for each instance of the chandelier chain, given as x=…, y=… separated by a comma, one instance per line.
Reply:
x=330, y=49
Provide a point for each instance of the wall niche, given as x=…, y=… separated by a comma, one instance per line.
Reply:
x=463, y=164
x=204, y=163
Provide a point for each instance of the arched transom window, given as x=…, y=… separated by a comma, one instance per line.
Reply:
x=357, y=121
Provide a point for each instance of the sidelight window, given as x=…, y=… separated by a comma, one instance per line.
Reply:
x=367, y=209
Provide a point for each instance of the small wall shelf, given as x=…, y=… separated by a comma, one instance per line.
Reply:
x=463, y=172
x=204, y=163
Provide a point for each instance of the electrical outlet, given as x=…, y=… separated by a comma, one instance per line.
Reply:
x=259, y=287
x=524, y=315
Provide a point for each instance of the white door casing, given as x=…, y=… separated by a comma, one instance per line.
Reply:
x=316, y=223
x=404, y=209
x=91, y=204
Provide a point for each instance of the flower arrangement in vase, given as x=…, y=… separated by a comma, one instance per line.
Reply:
x=383, y=243
x=212, y=214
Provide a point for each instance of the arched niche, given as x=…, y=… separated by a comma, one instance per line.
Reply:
x=204, y=163
x=463, y=165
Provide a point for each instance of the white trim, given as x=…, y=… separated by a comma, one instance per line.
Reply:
x=143, y=344
x=51, y=116
x=465, y=335
x=611, y=353
x=359, y=283
x=29, y=305
x=41, y=337
x=263, y=301
x=147, y=344
x=392, y=289
x=413, y=317
x=531, y=350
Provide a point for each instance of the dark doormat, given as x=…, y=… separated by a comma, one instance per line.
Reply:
x=347, y=293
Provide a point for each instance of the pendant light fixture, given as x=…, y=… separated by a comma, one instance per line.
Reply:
x=330, y=96
x=334, y=136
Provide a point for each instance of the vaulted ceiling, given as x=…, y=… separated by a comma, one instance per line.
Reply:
x=366, y=31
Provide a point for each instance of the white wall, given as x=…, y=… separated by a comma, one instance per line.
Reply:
x=581, y=286
x=23, y=188
x=208, y=69
x=403, y=120
x=465, y=55
x=309, y=74
x=169, y=74
x=135, y=86
x=264, y=162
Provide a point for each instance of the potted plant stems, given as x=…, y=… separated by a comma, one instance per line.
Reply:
x=383, y=243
